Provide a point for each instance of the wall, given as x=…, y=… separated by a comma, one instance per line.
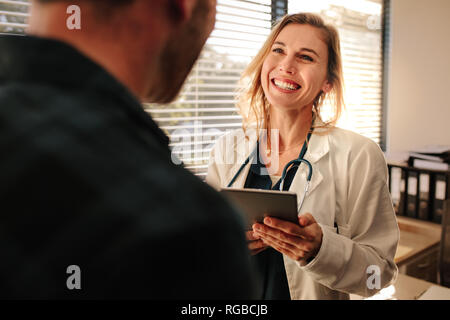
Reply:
x=419, y=79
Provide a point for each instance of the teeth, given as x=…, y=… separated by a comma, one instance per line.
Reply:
x=285, y=85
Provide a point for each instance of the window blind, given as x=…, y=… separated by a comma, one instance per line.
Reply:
x=13, y=16
x=360, y=30
x=206, y=108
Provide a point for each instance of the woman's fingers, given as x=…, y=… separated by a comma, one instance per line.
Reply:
x=250, y=235
x=298, y=242
x=306, y=219
x=256, y=244
x=287, y=227
x=290, y=251
x=267, y=238
x=279, y=236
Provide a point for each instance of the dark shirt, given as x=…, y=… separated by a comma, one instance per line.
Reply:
x=269, y=263
x=86, y=179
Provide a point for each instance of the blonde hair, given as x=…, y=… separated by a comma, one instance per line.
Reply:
x=252, y=102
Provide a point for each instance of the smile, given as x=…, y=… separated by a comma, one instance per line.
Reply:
x=286, y=84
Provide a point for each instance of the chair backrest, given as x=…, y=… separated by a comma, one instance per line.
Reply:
x=444, y=256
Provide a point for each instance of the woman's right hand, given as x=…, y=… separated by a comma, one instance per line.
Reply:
x=255, y=244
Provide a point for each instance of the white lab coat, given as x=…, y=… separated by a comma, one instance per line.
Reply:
x=349, y=186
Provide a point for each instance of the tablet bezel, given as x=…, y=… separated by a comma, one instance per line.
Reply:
x=256, y=204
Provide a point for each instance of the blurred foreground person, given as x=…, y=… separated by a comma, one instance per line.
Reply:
x=91, y=205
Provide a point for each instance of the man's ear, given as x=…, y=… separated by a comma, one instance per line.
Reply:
x=183, y=8
x=327, y=86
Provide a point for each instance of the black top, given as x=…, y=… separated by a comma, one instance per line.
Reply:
x=269, y=262
x=86, y=179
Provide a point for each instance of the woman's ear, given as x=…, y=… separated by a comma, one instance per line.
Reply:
x=327, y=86
x=183, y=8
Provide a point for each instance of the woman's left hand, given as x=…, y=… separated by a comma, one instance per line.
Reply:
x=301, y=242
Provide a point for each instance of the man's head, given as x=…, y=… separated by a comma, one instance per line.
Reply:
x=182, y=50
x=150, y=46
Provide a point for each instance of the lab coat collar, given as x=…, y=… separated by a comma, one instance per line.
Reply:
x=242, y=148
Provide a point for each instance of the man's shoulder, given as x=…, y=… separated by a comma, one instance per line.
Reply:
x=41, y=102
x=41, y=112
x=189, y=198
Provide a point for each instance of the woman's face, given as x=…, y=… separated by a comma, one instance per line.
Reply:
x=295, y=71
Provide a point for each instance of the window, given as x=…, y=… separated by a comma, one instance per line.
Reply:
x=360, y=28
x=205, y=108
x=13, y=16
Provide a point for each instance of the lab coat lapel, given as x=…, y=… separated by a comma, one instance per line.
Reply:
x=318, y=148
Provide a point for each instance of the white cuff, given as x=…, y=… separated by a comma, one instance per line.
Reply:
x=331, y=257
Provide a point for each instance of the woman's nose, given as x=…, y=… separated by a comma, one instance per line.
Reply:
x=287, y=66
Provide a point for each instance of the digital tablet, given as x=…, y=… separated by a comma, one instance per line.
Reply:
x=257, y=204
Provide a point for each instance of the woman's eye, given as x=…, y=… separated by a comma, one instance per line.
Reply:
x=307, y=58
x=277, y=50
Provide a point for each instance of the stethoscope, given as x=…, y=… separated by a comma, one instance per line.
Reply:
x=296, y=162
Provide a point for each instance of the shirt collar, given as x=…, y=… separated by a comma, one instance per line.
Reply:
x=47, y=61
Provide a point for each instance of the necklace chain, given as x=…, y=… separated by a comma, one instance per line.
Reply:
x=296, y=146
x=284, y=150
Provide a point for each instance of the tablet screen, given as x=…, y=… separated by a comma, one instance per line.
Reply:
x=257, y=204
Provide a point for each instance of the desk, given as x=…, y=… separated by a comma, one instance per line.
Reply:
x=405, y=288
x=416, y=237
x=409, y=288
x=418, y=249
x=419, y=240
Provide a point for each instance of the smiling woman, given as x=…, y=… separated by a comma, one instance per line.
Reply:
x=346, y=222
x=319, y=38
x=295, y=71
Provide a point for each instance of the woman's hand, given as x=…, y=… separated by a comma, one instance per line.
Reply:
x=299, y=242
x=255, y=244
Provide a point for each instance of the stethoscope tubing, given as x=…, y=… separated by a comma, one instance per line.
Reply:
x=295, y=162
